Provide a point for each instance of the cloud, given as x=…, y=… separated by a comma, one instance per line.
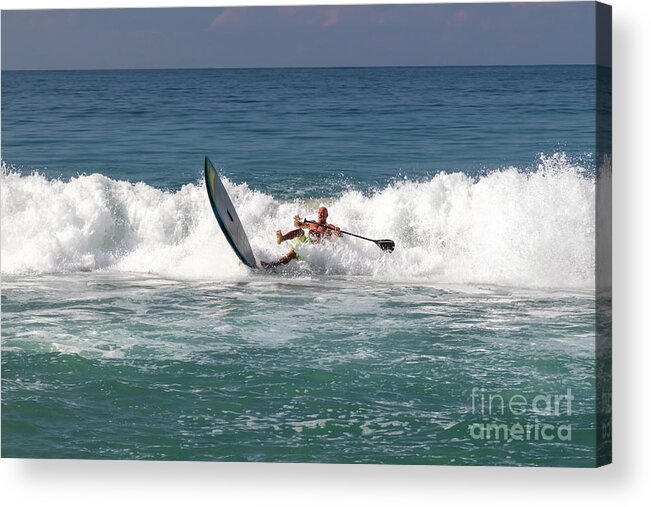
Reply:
x=458, y=18
x=229, y=17
x=325, y=16
x=294, y=16
x=332, y=16
x=288, y=12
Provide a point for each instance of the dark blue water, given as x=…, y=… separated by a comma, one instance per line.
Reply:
x=295, y=131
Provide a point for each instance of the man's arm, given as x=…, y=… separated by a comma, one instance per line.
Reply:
x=337, y=230
x=300, y=223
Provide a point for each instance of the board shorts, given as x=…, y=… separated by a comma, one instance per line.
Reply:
x=299, y=242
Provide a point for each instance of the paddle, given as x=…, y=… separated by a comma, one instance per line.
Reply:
x=385, y=244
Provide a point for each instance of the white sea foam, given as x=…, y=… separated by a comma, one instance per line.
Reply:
x=509, y=227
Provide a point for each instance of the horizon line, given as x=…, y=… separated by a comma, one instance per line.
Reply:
x=316, y=67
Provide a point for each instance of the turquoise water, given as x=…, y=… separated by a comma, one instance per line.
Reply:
x=130, y=330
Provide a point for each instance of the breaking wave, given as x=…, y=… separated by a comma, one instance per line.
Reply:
x=509, y=227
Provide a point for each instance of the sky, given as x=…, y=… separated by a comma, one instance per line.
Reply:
x=300, y=36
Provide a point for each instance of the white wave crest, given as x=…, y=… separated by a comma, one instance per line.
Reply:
x=509, y=227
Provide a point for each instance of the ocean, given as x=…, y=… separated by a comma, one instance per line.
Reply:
x=130, y=330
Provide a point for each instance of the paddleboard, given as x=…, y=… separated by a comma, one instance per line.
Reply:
x=227, y=217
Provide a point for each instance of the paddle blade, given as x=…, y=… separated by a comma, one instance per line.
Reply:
x=386, y=244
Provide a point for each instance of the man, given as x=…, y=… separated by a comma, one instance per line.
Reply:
x=315, y=233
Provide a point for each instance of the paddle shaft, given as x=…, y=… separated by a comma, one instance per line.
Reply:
x=376, y=241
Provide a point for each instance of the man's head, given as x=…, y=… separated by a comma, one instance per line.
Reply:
x=322, y=215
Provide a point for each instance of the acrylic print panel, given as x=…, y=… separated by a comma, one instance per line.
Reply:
x=475, y=138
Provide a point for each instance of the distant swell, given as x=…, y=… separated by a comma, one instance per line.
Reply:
x=515, y=228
